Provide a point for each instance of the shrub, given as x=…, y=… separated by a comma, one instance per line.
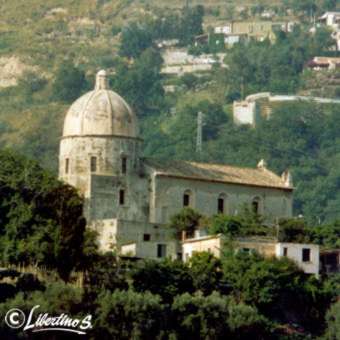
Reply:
x=128, y=315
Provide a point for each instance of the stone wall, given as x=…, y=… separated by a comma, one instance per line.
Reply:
x=167, y=198
x=101, y=187
x=121, y=235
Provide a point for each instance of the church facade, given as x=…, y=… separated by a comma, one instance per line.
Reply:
x=130, y=199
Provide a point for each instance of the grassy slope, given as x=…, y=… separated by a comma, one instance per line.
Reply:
x=81, y=30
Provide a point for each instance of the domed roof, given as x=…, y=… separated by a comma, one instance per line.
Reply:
x=100, y=112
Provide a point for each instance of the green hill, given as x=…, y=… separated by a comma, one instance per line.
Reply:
x=38, y=37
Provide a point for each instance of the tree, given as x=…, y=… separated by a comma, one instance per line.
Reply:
x=189, y=80
x=31, y=83
x=329, y=5
x=327, y=235
x=103, y=272
x=276, y=287
x=292, y=230
x=206, y=271
x=227, y=225
x=246, y=322
x=41, y=220
x=333, y=322
x=141, y=84
x=199, y=317
x=56, y=299
x=69, y=82
x=128, y=315
x=191, y=24
x=165, y=278
x=186, y=220
x=213, y=117
x=135, y=39
x=67, y=208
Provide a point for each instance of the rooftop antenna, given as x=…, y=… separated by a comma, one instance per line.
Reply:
x=199, y=132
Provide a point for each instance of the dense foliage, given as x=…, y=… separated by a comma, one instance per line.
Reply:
x=302, y=137
x=237, y=296
x=69, y=82
x=262, y=66
x=41, y=219
x=141, y=82
x=250, y=297
x=140, y=35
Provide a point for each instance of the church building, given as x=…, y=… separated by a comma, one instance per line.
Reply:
x=130, y=199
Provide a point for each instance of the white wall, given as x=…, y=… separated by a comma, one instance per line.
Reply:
x=294, y=252
x=244, y=113
x=167, y=198
x=149, y=249
x=212, y=244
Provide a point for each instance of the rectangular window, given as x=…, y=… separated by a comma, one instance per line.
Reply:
x=121, y=197
x=67, y=165
x=93, y=164
x=285, y=251
x=186, y=200
x=164, y=214
x=189, y=234
x=305, y=255
x=124, y=165
x=161, y=250
x=220, y=206
x=146, y=237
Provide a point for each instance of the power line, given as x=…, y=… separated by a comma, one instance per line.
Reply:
x=199, y=132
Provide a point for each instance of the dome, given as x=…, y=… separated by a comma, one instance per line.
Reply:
x=100, y=112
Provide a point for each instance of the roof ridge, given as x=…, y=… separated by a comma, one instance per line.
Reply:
x=211, y=171
x=218, y=164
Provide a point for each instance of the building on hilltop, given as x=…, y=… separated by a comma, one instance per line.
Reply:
x=332, y=21
x=129, y=199
x=321, y=63
x=259, y=106
x=258, y=30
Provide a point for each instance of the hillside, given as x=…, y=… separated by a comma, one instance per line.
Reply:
x=41, y=37
x=42, y=34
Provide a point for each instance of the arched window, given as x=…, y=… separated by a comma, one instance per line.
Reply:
x=187, y=198
x=221, y=204
x=255, y=205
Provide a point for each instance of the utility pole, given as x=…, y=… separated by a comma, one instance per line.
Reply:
x=199, y=132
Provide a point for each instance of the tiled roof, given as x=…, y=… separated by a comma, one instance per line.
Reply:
x=222, y=173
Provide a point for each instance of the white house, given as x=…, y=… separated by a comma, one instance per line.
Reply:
x=306, y=256
x=226, y=29
x=331, y=19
